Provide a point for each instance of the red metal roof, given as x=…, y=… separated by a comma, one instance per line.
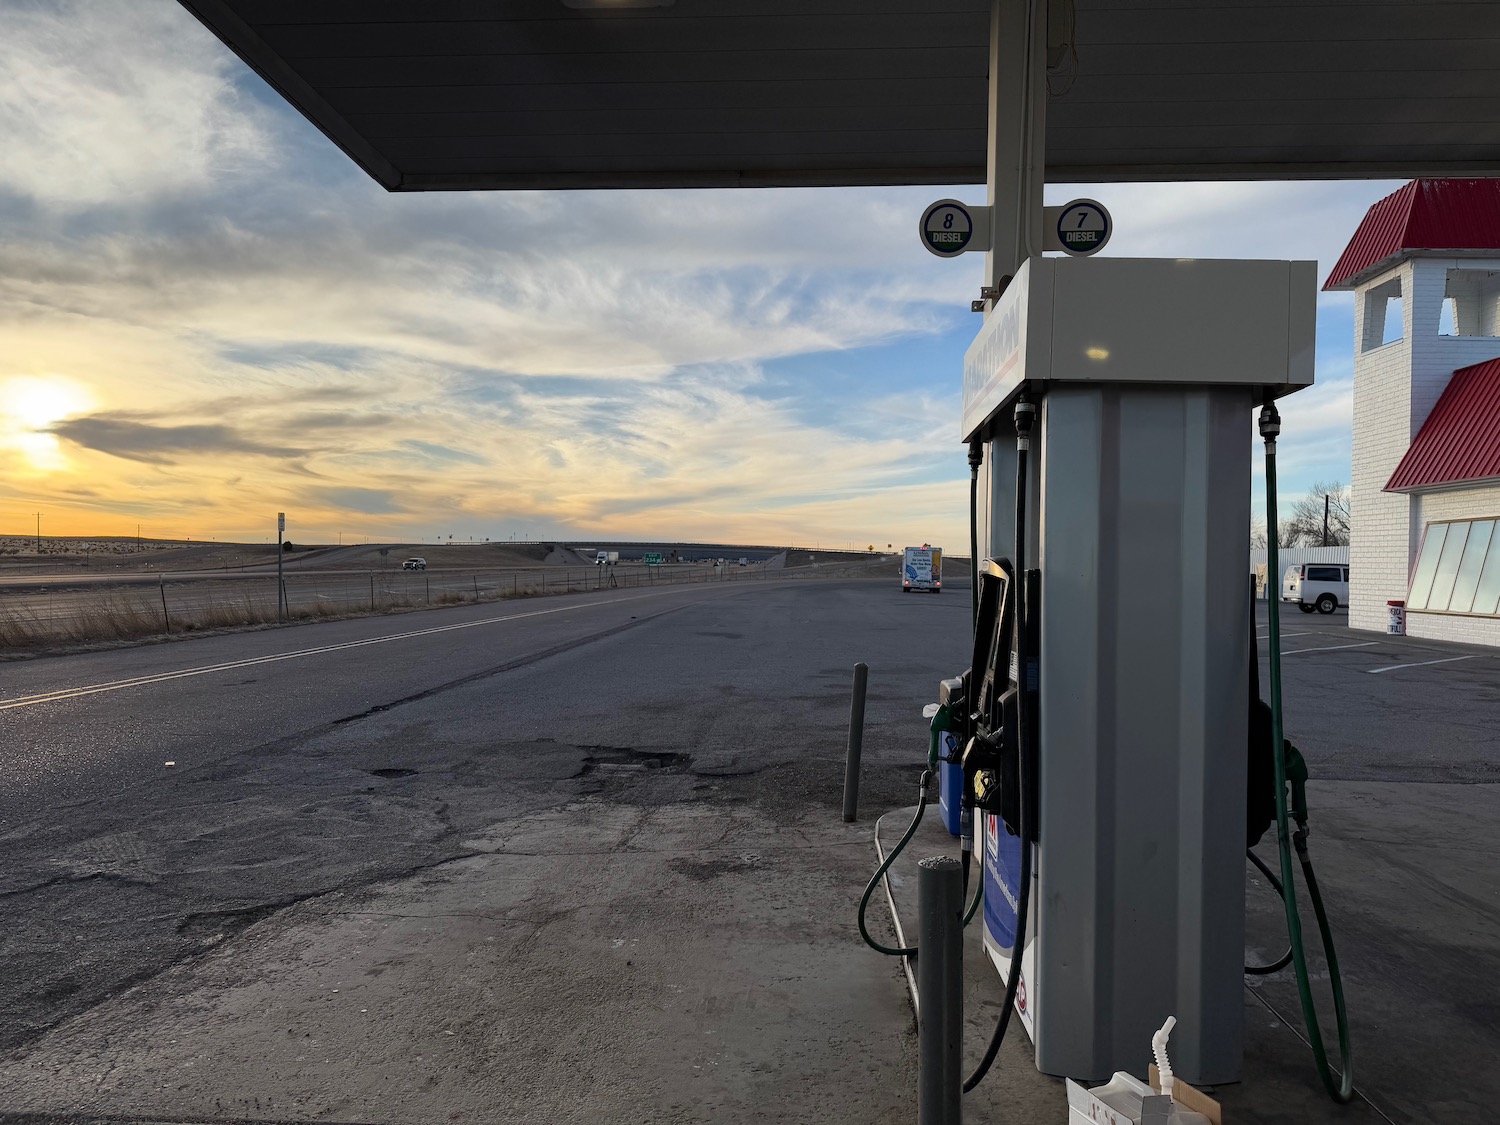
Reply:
x=1423, y=215
x=1460, y=441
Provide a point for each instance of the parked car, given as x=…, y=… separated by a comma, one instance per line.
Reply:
x=414, y=563
x=1320, y=586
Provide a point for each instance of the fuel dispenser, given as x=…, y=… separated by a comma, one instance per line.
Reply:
x=1103, y=718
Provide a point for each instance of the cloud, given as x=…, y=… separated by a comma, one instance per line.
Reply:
x=364, y=501
x=135, y=440
x=257, y=325
x=109, y=101
x=441, y=454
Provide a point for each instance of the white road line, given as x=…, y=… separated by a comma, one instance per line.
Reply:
x=1329, y=648
x=230, y=665
x=1420, y=663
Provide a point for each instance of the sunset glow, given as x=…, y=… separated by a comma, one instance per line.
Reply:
x=208, y=315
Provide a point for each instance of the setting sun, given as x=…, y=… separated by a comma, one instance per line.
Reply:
x=29, y=405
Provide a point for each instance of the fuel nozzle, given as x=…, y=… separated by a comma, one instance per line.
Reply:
x=1296, y=778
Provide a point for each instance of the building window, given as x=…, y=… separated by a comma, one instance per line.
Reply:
x=1458, y=569
x=1383, y=315
x=1448, y=318
x=1471, y=304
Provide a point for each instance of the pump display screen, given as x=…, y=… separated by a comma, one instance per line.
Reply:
x=993, y=640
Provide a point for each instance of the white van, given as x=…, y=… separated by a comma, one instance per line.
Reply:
x=1316, y=586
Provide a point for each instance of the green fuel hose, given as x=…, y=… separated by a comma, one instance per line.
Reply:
x=1291, y=772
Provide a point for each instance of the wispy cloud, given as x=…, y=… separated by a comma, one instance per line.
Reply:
x=113, y=103
x=137, y=440
x=253, y=326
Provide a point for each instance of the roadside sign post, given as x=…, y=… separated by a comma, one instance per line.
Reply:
x=280, y=581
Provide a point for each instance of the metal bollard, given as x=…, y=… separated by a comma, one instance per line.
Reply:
x=940, y=982
x=856, y=743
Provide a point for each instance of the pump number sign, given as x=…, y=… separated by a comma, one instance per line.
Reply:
x=1082, y=227
x=947, y=228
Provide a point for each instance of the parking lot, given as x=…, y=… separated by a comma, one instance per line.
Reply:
x=1376, y=707
x=1402, y=744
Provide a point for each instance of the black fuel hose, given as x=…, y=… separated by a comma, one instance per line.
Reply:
x=864, y=902
x=1025, y=415
x=976, y=458
x=1286, y=958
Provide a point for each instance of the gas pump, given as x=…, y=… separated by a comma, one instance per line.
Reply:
x=1106, y=750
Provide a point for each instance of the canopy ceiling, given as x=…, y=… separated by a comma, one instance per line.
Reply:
x=482, y=94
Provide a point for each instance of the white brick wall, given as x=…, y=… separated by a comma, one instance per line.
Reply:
x=1395, y=389
x=1382, y=433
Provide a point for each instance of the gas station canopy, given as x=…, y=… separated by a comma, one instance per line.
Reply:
x=484, y=94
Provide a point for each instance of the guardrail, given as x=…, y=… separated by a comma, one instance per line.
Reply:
x=31, y=619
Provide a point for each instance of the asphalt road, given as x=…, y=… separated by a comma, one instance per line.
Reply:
x=581, y=860
x=644, y=782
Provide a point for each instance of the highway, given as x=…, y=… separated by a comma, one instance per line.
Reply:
x=183, y=820
x=78, y=606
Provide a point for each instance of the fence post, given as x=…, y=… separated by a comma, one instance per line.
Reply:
x=165, y=620
x=855, y=745
x=476, y=587
x=940, y=976
x=372, y=593
x=428, y=580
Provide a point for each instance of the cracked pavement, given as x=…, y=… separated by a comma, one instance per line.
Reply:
x=588, y=865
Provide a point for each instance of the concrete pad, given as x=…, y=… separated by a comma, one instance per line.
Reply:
x=597, y=962
x=1279, y=1087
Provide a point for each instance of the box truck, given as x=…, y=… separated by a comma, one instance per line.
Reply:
x=922, y=569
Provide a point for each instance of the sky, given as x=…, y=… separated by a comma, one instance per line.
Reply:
x=208, y=315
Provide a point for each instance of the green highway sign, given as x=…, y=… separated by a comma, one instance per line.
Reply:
x=653, y=558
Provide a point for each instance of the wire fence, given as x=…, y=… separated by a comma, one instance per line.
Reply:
x=32, y=619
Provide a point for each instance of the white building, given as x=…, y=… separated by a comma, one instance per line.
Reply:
x=1425, y=491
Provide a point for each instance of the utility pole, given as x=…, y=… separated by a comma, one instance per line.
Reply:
x=280, y=582
x=39, y=533
x=1325, y=518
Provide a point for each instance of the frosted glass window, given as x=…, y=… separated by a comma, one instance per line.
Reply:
x=1447, y=570
x=1487, y=596
x=1468, y=570
x=1421, y=581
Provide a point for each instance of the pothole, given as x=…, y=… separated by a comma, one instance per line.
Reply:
x=696, y=867
x=624, y=759
x=393, y=771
